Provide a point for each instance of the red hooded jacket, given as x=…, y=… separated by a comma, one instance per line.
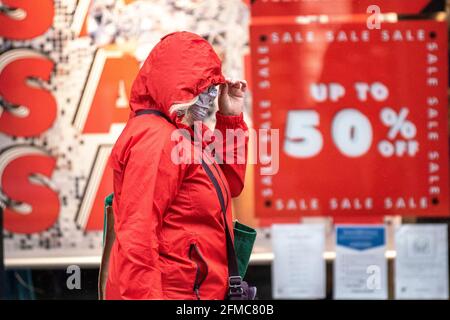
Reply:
x=170, y=236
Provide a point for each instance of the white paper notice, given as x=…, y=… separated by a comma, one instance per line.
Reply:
x=298, y=269
x=360, y=267
x=421, y=264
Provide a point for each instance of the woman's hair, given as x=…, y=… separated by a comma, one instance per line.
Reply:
x=185, y=109
x=181, y=108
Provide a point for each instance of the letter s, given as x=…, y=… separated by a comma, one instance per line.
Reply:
x=24, y=175
x=34, y=109
x=26, y=19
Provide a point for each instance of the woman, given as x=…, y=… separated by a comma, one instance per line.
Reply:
x=170, y=232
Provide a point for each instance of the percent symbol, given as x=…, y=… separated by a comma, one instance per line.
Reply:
x=398, y=123
x=399, y=127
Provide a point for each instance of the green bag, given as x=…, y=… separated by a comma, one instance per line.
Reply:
x=108, y=203
x=244, y=239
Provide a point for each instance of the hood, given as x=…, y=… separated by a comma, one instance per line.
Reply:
x=180, y=67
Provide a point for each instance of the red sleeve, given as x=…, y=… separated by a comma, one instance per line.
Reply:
x=150, y=181
x=236, y=151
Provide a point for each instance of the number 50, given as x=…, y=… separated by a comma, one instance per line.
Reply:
x=350, y=129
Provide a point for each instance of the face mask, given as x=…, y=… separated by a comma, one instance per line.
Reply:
x=199, y=110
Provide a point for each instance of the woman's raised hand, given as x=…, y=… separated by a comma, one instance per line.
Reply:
x=231, y=97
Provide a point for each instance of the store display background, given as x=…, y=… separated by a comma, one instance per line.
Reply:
x=141, y=24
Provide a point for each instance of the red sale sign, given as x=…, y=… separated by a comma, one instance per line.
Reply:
x=261, y=8
x=362, y=119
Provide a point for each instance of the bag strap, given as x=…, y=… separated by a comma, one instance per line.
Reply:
x=234, y=278
x=153, y=111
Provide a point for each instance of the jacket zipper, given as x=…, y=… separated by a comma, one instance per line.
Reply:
x=198, y=281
